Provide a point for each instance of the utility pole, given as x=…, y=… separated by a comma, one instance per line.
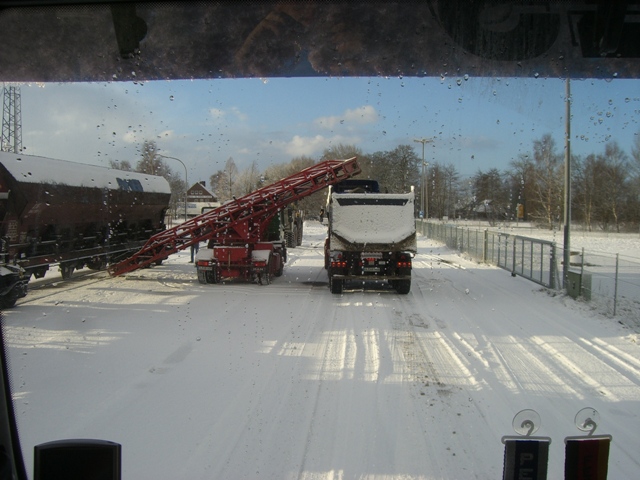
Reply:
x=424, y=188
x=11, y=140
x=567, y=186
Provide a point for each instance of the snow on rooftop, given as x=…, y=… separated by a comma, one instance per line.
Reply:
x=33, y=169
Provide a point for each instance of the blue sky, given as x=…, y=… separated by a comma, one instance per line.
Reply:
x=476, y=123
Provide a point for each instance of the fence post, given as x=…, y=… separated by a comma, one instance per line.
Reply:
x=552, y=267
x=513, y=265
x=485, y=245
x=615, y=283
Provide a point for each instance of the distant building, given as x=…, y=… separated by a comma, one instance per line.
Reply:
x=200, y=199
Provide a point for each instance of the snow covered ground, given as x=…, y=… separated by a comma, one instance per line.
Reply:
x=289, y=381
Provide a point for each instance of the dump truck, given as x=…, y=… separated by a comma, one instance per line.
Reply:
x=371, y=235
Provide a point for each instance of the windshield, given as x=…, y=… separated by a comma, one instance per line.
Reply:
x=266, y=329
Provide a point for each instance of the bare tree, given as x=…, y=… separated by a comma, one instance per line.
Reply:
x=247, y=180
x=403, y=172
x=612, y=178
x=124, y=165
x=491, y=195
x=585, y=187
x=312, y=204
x=443, y=191
x=523, y=183
x=548, y=172
x=635, y=155
x=231, y=171
x=219, y=182
x=152, y=163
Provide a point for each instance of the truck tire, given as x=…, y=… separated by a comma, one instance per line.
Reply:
x=208, y=277
x=280, y=269
x=214, y=276
x=290, y=238
x=8, y=300
x=402, y=286
x=299, y=235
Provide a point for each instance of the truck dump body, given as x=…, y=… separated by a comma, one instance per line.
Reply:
x=372, y=236
x=376, y=221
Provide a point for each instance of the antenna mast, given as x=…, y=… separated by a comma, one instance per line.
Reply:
x=11, y=140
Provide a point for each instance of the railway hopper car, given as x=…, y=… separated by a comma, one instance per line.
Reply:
x=71, y=214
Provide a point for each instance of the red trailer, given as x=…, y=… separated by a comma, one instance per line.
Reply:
x=238, y=234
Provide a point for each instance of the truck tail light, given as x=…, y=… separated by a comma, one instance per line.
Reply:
x=338, y=262
x=404, y=261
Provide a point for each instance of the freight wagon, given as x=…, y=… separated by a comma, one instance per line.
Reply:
x=70, y=214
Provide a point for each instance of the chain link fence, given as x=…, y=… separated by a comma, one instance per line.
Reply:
x=610, y=282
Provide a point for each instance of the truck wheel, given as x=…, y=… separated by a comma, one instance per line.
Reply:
x=402, y=286
x=9, y=300
x=336, y=285
x=213, y=276
x=299, y=236
x=202, y=276
x=209, y=276
x=291, y=238
x=280, y=269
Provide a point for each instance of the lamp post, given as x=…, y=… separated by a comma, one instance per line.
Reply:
x=186, y=181
x=424, y=201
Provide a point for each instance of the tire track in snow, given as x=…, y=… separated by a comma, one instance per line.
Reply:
x=626, y=364
x=443, y=386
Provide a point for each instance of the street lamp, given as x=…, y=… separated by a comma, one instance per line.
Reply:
x=424, y=201
x=186, y=181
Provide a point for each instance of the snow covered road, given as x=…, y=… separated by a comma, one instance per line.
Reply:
x=289, y=381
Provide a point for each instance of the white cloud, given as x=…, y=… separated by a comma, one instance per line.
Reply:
x=357, y=116
x=166, y=134
x=304, y=145
x=130, y=137
x=238, y=114
x=216, y=113
x=310, y=146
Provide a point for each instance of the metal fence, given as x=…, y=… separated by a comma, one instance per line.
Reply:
x=610, y=281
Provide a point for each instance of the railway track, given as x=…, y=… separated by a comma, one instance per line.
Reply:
x=54, y=284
